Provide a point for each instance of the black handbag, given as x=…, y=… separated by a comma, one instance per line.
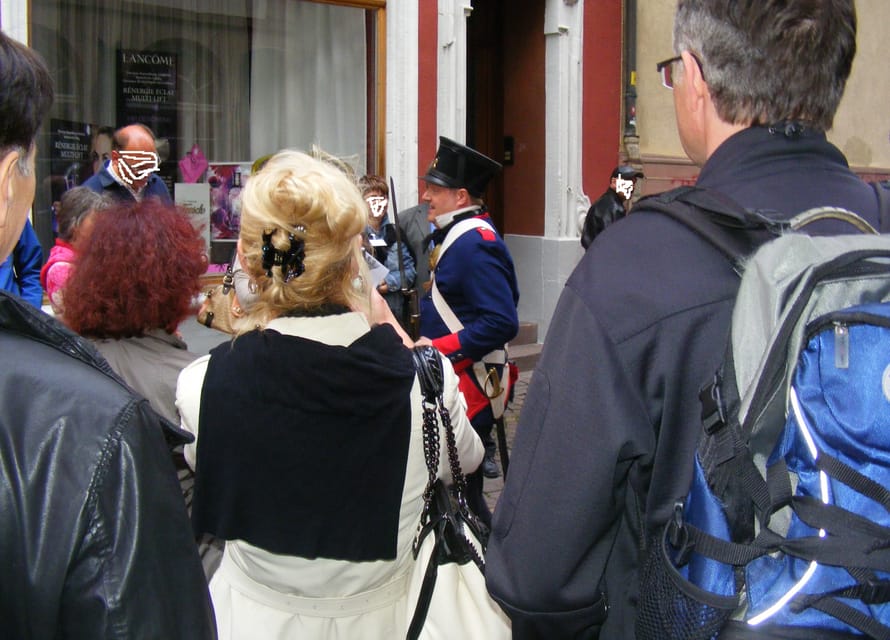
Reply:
x=448, y=577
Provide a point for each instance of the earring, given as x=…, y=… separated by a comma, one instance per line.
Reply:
x=252, y=286
x=358, y=283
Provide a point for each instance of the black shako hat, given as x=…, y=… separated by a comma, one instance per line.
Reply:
x=627, y=172
x=458, y=167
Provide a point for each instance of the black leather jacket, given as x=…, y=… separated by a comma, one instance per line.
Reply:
x=94, y=537
x=608, y=208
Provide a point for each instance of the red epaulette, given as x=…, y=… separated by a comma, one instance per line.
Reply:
x=486, y=233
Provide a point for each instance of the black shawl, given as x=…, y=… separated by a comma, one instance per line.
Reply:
x=302, y=446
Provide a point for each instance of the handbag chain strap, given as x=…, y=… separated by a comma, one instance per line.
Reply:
x=228, y=280
x=431, y=454
x=460, y=483
x=428, y=363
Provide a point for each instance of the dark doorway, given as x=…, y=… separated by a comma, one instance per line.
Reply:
x=506, y=107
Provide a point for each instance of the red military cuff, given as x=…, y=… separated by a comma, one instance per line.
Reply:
x=448, y=344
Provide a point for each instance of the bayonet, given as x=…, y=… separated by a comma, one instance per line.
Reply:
x=403, y=286
x=410, y=294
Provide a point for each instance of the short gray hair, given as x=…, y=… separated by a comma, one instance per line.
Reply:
x=770, y=61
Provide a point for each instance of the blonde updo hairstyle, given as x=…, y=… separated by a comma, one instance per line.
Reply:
x=317, y=203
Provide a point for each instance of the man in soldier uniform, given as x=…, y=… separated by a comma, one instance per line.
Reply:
x=469, y=313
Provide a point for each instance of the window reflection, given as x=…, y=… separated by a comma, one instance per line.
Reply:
x=250, y=77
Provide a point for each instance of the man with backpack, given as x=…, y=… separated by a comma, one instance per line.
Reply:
x=607, y=436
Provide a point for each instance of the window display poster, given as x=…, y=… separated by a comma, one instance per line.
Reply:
x=147, y=94
x=225, y=180
x=69, y=155
x=194, y=198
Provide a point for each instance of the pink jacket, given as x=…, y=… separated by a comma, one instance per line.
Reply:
x=55, y=272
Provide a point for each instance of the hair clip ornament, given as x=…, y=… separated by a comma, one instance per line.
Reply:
x=290, y=261
x=269, y=252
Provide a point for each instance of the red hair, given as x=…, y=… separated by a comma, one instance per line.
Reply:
x=139, y=271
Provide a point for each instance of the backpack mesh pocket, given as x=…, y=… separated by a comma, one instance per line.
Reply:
x=672, y=607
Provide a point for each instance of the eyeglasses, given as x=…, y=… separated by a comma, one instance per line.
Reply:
x=666, y=69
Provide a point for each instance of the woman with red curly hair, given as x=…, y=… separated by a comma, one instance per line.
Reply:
x=133, y=284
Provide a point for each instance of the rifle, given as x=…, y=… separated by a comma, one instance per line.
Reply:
x=410, y=312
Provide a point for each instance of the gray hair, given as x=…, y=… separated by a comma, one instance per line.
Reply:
x=771, y=61
x=25, y=167
x=75, y=206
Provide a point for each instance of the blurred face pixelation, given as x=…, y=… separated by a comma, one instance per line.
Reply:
x=624, y=187
x=135, y=163
x=137, y=166
x=377, y=204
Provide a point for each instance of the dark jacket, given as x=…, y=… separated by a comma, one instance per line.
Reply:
x=415, y=231
x=20, y=273
x=388, y=255
x=607, y=432
x=608, y=208
x=94, y=537
x=104, y=182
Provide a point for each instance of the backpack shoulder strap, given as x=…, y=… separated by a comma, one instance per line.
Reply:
x=729, y=227
x=831, y=213
x=882, y=190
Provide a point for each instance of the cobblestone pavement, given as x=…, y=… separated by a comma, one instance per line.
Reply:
x=492, y=487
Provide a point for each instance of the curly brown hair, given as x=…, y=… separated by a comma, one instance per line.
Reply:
x=139, y=271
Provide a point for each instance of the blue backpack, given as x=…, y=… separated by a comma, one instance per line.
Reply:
x=785, y=530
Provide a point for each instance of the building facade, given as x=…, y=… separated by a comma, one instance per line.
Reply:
x=559, y=91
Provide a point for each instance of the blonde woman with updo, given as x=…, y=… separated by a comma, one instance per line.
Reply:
x=309, y=453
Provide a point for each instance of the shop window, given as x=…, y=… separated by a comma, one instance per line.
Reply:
x=237, y=79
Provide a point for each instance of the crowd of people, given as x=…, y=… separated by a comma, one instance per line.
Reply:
x=95, y=538
x=122, y=449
